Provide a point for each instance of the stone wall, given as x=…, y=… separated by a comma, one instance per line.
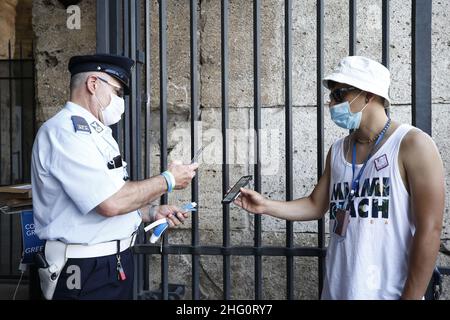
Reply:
x=53, y=50
x=55, y=44
x=14, y=16
x=7, y=26
x=24, y=29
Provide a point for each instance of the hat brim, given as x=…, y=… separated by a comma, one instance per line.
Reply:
x=126, y=87
x=341, y=78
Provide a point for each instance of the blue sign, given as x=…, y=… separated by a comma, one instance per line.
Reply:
x=31, y=243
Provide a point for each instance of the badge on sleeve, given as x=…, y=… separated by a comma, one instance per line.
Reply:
x=80, y=124
x=97, y=127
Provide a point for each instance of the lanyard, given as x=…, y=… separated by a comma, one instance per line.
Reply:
x=355, y=181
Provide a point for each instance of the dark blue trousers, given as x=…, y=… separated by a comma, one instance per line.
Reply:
x=96, y=279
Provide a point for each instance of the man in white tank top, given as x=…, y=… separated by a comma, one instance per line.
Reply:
x=383, y=187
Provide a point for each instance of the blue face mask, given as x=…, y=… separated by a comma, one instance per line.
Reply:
x=343, y=117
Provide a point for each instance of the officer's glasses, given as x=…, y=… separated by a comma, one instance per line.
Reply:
x=119, y=91
x=338, y=94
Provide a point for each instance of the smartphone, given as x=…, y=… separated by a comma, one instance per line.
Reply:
x=235, y=191
x=199, y=152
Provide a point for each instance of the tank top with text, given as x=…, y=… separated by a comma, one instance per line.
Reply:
x=371, y=262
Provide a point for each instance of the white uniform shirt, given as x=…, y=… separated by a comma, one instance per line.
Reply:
x=70, y=177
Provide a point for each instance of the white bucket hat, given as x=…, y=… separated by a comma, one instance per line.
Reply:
x=362, y=73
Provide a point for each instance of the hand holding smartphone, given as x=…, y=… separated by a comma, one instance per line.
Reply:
x=235, y=191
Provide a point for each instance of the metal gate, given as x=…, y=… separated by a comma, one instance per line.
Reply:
x=119, y=32
x=17, y=131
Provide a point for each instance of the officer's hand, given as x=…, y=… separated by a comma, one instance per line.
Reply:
x=175, y=216
x=183, y=173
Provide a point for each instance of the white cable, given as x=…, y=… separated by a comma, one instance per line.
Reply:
x=18, y=284
x=22, y=268
x=154, y=224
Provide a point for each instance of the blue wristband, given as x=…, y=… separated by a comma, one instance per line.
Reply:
x=166, y=176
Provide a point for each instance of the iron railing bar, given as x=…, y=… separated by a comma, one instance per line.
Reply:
x=17, y=60
x=421, y=64
x=1, y=225
x=137, y=51
x=10, y=72
x=385, y=19
x=102, y=29
x=123, y=46
x=133, y=164
x=352, y=31
x=22, y=127
x=33, y=95
x=352, y=27
x=135, y=108
x=114, y=26
x=114, y=48
x=10, y=117
x=288, y=141
x=148, y=119
x=126, y=49
x=195, y=236
x=181, y=249
x=163, y=128
x=257, y=130
x=225, y=126
x=148, y=88
x=320, y=128
x=11, y=232
x=1, y=151
x=16, y=78
x=163, y=88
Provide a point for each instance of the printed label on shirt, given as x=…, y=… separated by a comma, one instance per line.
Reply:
x=381, y=162
x=371, y=199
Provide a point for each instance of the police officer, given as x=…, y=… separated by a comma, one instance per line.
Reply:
x=84, y=205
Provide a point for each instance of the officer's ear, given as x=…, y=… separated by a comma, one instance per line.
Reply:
x=92, y=84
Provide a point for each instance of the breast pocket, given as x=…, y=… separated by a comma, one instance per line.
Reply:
x=106, y=150
x=114, y=163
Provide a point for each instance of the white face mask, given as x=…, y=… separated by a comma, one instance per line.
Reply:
x=112, y=113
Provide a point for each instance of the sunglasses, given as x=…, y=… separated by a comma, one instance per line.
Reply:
x=118, y=90
x=339, y=93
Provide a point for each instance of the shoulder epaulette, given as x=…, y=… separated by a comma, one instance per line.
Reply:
x=80, y=124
